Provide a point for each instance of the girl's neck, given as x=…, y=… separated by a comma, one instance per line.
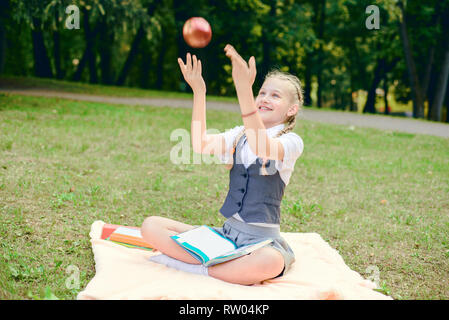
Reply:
x=272, y=125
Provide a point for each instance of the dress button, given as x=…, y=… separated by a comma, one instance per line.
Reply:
x=242, y=190
x=244, y=175
x=239, y=204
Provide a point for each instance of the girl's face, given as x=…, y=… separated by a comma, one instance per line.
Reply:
x=274, y=102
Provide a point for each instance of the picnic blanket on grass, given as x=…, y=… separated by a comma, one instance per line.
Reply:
x=319, y=272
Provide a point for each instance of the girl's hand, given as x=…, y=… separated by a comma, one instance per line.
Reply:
x=242, y=72
x=192, y=73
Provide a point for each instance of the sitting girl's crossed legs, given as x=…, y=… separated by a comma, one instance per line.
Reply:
x=262, y=264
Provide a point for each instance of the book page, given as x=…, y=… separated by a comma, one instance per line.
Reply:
x=208, y=241
x=128, y=232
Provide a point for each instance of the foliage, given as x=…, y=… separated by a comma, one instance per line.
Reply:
x=324, y=42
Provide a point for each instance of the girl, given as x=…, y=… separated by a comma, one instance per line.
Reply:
x=261, y=155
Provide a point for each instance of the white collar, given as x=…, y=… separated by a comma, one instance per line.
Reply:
x=273, y=130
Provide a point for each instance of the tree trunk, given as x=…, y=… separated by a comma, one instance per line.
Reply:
x=57, y=48
x=57, y=54
x=441, y=86
x=105, y=51
x=145, y=67
x=42, y=66
x=5, y=12
x=90, y=50
x=320, y=33
x=387, y=110
x=371, y=100
x=417, y=94
x=381, y=71
x=135, y=46
x=431, y=91
x=131, y=56
x=160, y=61
x=447, y=103
x=430, y=59
x=308, y=81
x=428, y=72
x=2, y=47
x=83, y=61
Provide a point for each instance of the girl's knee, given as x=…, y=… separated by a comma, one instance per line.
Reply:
x=152, y=220
x=148, y=225
x=271, y=262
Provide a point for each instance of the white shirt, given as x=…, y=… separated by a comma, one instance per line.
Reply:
x=293, y=148
x=292, y=143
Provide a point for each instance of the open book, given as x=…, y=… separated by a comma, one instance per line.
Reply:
x=210, y=247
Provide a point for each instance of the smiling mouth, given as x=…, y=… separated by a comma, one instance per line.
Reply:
x=264, y=108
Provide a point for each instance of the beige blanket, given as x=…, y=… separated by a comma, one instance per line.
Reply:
x=318, y=273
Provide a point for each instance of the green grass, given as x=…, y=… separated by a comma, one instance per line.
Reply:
x=65, y=164
x=95, y=89
x=19, y=82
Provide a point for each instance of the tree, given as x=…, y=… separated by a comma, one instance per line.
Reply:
x=418, y=99
x=268, y=39
x=442, y=82
x=4, y=11
x=429, y=12
x=90, y=43
x=143, y=19
x=32, y=13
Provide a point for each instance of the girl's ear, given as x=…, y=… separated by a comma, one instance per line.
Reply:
x=292, y=110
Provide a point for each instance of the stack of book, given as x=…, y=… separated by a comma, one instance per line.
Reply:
x=124, y=235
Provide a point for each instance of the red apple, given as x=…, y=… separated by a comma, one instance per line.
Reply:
x=197, y=32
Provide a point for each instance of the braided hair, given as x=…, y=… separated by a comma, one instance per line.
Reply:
x=297, y=97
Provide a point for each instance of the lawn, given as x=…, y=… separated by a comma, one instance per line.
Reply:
x=95, y=89
x=380, y=198
x=9, y=81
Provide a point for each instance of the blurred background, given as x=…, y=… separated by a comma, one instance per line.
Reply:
x=400, y=68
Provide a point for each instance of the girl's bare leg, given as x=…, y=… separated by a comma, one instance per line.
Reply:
x=157, y=231
x=262, y=264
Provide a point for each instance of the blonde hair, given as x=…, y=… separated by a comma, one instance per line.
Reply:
x=290, y=122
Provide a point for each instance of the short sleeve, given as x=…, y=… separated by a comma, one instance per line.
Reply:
x=293, y=148
x=229, y=137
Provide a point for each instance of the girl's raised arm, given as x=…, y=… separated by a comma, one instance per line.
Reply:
x=243, y=74
x=201, y=141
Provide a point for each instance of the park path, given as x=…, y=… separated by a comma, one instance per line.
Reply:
x=399, y=124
